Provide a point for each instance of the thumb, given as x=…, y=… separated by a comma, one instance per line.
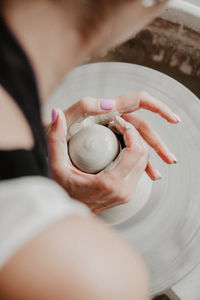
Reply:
x=59, y=126
x=57, y=141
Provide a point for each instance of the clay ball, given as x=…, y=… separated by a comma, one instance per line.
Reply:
x=93, y=148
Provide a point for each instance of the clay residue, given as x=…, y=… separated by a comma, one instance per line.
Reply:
x=191, y=34
x=167, y=47
x=159, y=22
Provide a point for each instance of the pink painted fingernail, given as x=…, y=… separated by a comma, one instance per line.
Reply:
x=178, y=119
x=174, y=158
x=107, y=104
x=54, y=115
x=158, y=175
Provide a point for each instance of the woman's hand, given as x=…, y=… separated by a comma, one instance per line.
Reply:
x=115, y=186
x=126, y=105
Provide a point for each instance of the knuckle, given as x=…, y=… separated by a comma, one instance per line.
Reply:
x=144, y=126
x=156, y=146
x=105, y=185
x=55, y=171
x=84, y=104
x=146, y=151
x=138, y=148
x=127, y=200
x=123, y=197
x=59, y=172
x=55, y=138
x=52, y=139
x=143, y=94
x=50, y=135
x=142, y=150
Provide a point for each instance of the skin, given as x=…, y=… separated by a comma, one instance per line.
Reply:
x=116, y=186
x=51, y=66
x=68, y=261
x=79, y=252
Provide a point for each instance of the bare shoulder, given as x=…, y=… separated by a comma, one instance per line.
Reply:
x=15, y=132
x=76, y=258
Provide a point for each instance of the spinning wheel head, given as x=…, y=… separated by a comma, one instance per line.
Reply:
x=163, y=220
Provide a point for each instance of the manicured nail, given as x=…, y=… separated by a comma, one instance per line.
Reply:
x=54, y=115
x=174, y=158
x=158, y=175
x=177, y=118
x=107, y=104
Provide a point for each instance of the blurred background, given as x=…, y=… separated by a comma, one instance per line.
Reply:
x=170, y=44
x=193, y=2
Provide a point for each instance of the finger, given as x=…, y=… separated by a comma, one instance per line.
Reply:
x=88, y=106
x=132, y=154
x=57, y=141
x=112, y=127
x=121, y=104
x=100, y=208
x=135, y=101
x=151, y=137
x=153, y=173
x=46, y=124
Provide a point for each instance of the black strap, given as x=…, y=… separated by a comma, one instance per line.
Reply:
x=18, y=163
x=17, y=77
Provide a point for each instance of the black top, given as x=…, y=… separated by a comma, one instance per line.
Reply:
x=17, y=78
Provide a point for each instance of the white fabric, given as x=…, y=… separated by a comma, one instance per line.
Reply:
x=27, y=206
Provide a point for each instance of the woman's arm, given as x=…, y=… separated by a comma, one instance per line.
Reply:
x=77, y=258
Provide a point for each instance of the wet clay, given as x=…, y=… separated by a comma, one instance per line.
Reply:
x=93, y=147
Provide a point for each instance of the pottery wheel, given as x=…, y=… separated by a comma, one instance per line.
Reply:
x=163, y=220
